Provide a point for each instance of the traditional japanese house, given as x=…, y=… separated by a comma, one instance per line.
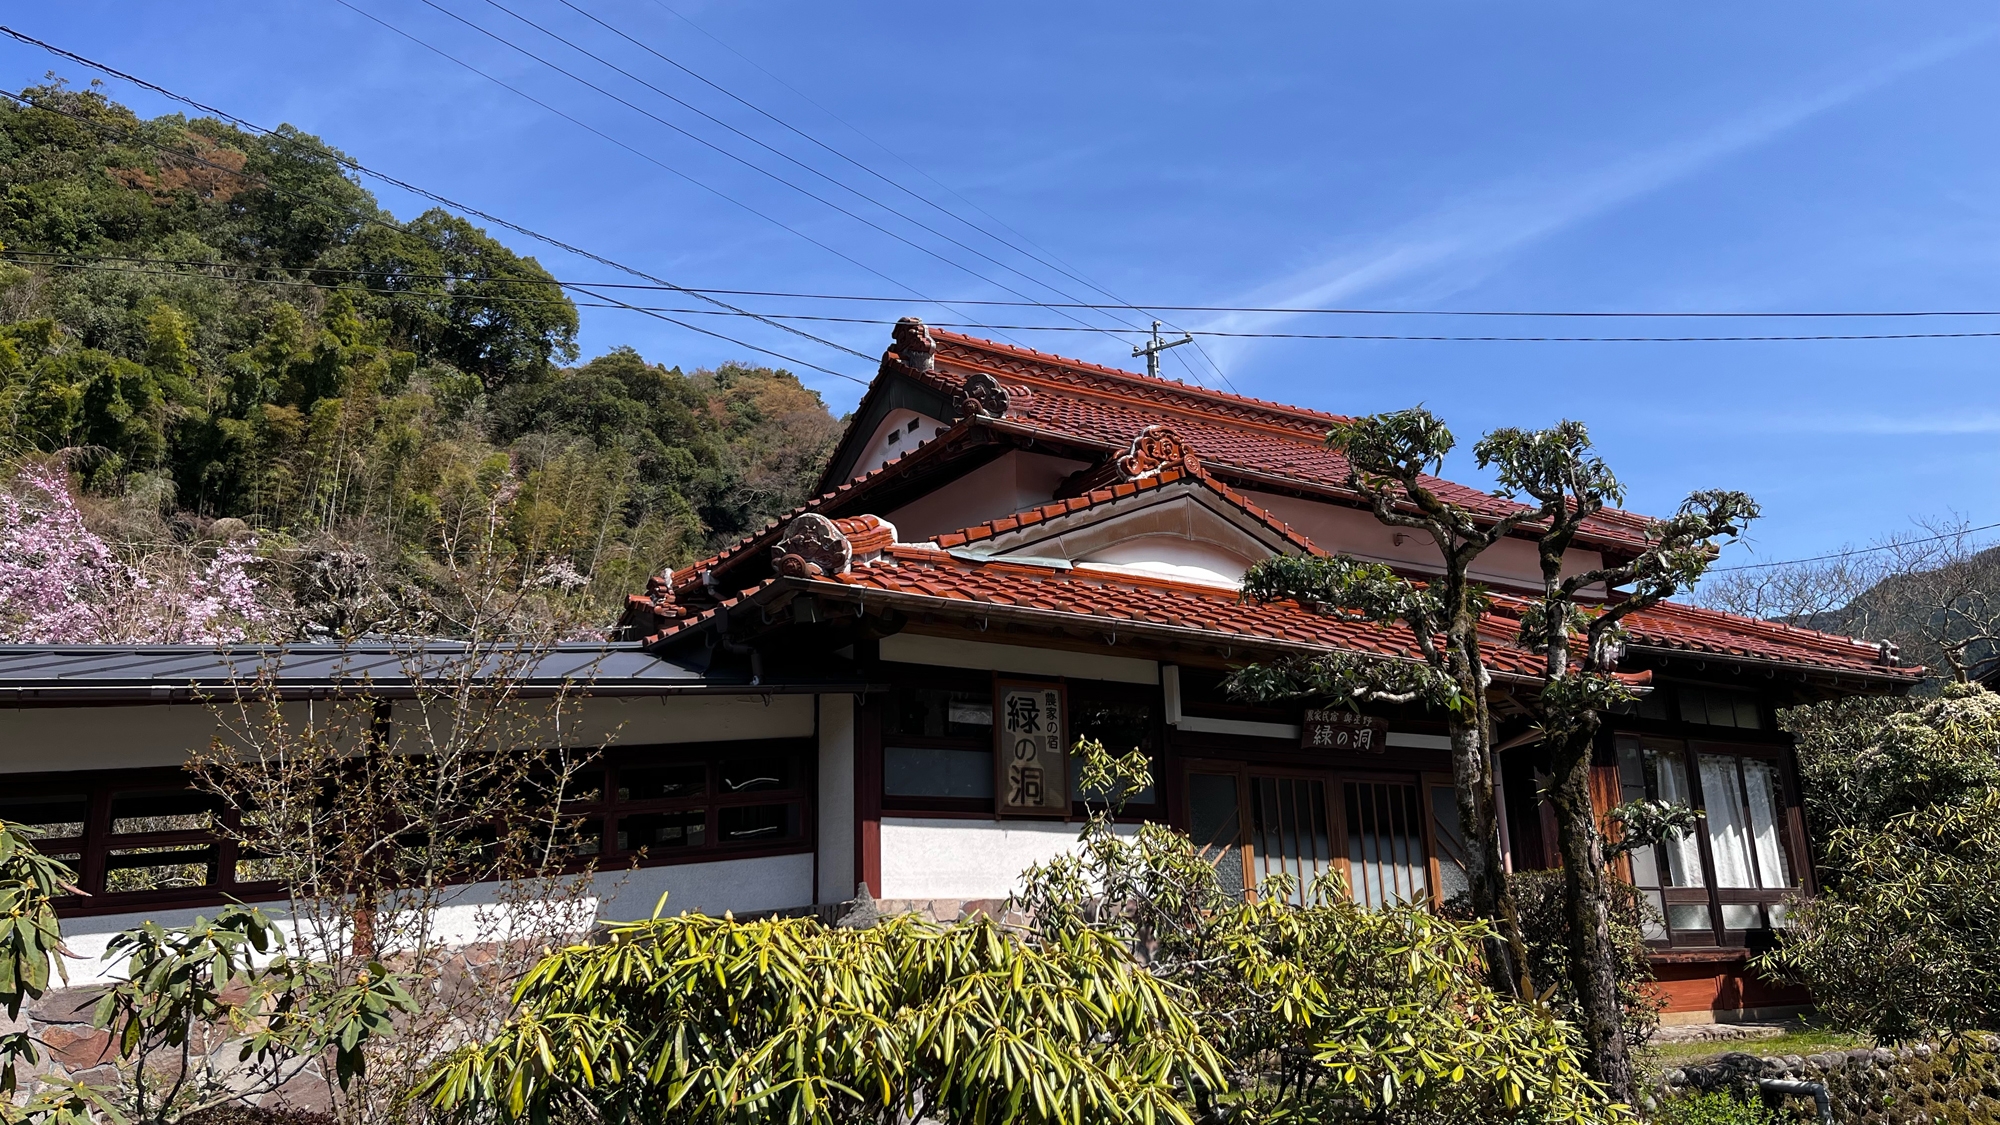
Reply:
x=1012, y=550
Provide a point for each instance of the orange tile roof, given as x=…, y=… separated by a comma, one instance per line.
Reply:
x=1107, y=406
x=1170, y=609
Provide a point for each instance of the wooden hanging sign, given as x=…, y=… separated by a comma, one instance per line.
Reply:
x=1032, y=749
x=1340, y=729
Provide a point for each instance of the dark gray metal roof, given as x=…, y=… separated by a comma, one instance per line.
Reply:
x=76, y=673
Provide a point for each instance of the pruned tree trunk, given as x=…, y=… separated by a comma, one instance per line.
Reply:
x=1485, y=870
x=1593, y=956
x=1473, y=763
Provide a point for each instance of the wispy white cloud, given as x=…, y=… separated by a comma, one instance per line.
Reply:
x=1458, y=244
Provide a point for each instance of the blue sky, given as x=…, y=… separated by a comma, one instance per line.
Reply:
x=1571, y=156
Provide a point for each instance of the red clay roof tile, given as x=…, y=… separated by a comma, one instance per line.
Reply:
x=1107, y=406
x=1115, y=598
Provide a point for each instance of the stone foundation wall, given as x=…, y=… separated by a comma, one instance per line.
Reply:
x=70, y=1048
x=1915, y=1085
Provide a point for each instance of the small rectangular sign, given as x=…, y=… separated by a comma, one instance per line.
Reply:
x=1032, y=751
x=1340, y=729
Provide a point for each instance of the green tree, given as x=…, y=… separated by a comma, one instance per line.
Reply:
x=1906, y=797
x=1390, y=459
x=230, y=325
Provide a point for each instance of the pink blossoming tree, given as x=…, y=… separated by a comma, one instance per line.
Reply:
x=60, y=583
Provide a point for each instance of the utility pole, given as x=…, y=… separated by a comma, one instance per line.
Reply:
x=1152, y=350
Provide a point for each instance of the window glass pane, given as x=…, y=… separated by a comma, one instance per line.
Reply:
x=1720, y=707
x=658, y=783
x=1741, y=916
x=751, y=775
x=1748, y=715
x=578, y=786
x=162, y=810
x=941, y=712
x=1761, y=779
x=1631, y=771
x=153, y=869
x=1385, y=844
x=1780, y=915
x=1667, y=773
x=54, y=815
x=658, y=832
x=1213, y=825
x=1728, y=822
x=1653, y=927
x=1122, y=726
x=577, y=839
x=752, y=824
x=1451, y=854
x=1690, y=916
x=1288, y=831
x=929, y=771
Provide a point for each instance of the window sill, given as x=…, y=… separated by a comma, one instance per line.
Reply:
x=1718, y=954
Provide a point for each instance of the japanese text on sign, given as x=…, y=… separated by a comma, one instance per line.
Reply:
x=1034, y=754
x=1336, y=729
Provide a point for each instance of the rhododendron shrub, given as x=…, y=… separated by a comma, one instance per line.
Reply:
x=61, y=583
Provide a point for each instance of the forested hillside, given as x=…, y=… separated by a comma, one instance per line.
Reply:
x=203, y=323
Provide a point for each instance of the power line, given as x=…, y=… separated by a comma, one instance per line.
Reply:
x=394, y=226
x=767, y=317
x=1654, y=314
x=768, y=148
x=646, y=156
x=510, y=44
x=1058, y=266
x=1199, y=333
x=748, y=164
x=601, y=303
x=1856, y=551
x=445, y=201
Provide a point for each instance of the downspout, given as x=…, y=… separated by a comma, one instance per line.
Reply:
x=739, y=648
x=1816, y=1090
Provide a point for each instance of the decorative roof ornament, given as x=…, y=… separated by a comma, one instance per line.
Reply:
x=1155, y=450
x=648, y=613
x=914, y=348
x=812, y=547
x=982, y=394
x=867, y=537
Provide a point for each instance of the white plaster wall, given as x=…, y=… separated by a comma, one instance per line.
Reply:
x=924, y=858
x=880, y=450
x=135, y=736
x=1170, y=556
x=1009, y=483
x=741, y=885
x=836, y=798
x=1351, y=531
x=950, y=652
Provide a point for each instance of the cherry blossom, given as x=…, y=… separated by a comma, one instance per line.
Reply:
x=61, y=583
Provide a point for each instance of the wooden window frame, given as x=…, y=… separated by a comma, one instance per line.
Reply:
x=908, y=676
x=97, y=787
x=1790, y=838
x=1335, y=782
x=1085, y=691
x=609, y=808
